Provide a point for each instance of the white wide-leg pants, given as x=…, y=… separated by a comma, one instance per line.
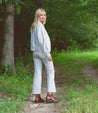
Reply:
x=40, y=58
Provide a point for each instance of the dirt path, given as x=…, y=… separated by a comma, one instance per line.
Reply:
x=91, y=72
x=31, y=107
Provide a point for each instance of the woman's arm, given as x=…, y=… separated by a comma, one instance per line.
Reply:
x=44, y=41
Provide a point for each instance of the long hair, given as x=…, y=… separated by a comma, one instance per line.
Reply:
x=36, y=19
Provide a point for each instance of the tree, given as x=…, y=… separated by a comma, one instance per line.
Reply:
x=8, y=48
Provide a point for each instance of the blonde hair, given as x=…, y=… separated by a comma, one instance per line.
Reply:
x=36, y=19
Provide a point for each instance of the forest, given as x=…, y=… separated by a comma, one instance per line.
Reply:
x=70, y=23
x=73, y=29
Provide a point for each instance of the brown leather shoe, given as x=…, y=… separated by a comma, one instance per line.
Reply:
x=50, y=98
x=38, y=99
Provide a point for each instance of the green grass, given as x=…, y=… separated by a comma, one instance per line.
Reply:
x=17, y=87
x=80, y=96
x=81, y=93
x=74, y=56
x=10, y=106
x=19, y=83
x=81, y=100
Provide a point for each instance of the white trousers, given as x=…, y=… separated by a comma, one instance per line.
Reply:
x=39, y=58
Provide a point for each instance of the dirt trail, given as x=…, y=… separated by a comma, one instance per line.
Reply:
x=31, y=107
x=91, y=72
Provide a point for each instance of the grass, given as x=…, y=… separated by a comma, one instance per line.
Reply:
x=82, y=100
x=10, y=106
x=17, y=87
x=75, y=56
x=81, y=95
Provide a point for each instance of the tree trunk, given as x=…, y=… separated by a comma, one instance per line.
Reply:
x=8, y=49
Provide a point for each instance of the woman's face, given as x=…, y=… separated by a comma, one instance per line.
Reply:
x=42, y=17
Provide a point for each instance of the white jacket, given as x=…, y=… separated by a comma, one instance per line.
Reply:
x=40, y=40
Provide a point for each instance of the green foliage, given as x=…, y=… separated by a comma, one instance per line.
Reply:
x=8, y=1
x=1, y=19
x=70, y=22
x=18, y=10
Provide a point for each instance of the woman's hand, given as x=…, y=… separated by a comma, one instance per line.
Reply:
x=49, y=58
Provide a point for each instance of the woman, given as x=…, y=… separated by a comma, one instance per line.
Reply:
x=41, y=47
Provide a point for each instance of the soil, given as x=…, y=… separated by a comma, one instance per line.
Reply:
x=91, y=72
